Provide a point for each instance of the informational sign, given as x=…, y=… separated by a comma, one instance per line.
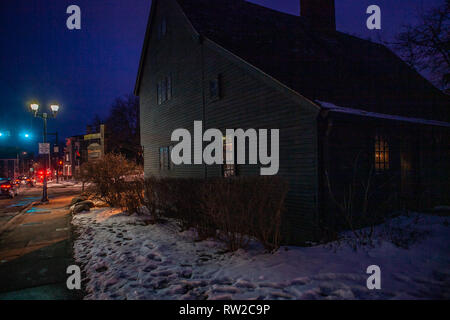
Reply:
x=94, y=151
x=44, y=148
x=92, y=136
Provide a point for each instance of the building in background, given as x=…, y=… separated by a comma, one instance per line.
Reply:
x=15, y=162
x=83, y=148
x=9, y=167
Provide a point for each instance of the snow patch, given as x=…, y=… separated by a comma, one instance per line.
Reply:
x=123, y=258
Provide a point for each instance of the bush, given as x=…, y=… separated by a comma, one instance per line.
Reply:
x=110, y=179
x=131, y=195
x=246, y=207
x=231, y=210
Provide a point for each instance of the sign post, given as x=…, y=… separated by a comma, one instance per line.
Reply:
x=44, y=148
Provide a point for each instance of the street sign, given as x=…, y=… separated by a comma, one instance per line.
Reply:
x=44, y=148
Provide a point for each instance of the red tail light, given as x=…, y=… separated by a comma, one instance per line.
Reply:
x=6, y=186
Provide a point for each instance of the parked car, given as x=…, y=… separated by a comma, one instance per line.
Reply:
x=8, y=188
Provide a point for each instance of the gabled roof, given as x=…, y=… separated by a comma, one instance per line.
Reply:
x=334, y=67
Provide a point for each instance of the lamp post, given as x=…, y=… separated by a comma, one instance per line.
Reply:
x=44, y=116
x=56, y=145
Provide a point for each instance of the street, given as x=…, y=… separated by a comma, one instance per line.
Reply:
x=36, y=244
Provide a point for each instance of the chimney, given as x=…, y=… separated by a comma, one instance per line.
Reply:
x=320, y=14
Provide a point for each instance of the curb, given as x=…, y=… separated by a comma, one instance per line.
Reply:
x=19, y=215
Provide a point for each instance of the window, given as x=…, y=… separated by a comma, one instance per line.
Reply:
x=164, y=156
x=159, y=93
x=162, y=28
x=170, y=165
x=214, y=88
x=229, y=166
x=381, y=154
x=169, y=87
x=164, y=90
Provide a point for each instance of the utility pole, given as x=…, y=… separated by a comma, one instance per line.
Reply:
x=44, y=187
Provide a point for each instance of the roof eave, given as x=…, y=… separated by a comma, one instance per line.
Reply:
x=144, y=49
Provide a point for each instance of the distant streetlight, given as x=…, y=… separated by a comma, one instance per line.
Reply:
x=34, y=108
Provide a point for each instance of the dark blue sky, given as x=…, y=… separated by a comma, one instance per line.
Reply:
x=84, y=70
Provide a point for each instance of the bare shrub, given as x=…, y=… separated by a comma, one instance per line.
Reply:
x=131, y=195
x=270, y=194
x=358, y=206
x=108, y=178
x=156, y=197
x=231, y=210
x=246, y=207
x=224, y=203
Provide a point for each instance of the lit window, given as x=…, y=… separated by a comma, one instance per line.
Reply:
x=381, y=154
x=228, y=167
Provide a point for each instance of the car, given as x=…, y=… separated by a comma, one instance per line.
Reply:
x=17, y=181
x=25, y=180
x=8, y=188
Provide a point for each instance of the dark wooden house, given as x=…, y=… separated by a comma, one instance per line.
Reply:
x=345, y=107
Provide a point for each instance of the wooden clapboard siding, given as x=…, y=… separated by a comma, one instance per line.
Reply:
x=248, y=102
x=178, y=54
x=249, y=99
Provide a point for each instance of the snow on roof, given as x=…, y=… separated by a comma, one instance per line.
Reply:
x=334, y=108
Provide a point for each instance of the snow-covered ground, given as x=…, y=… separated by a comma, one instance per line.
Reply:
x=62, y=184
x=125, y=259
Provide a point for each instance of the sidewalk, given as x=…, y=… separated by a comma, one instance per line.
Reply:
x=35, y=253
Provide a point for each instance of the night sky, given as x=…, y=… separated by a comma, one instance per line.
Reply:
x=84, y=70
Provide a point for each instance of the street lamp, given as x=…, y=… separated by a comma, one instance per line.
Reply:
x=34, y=108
